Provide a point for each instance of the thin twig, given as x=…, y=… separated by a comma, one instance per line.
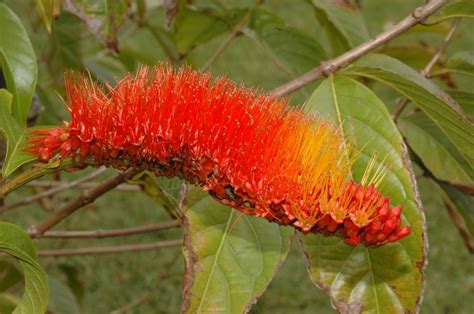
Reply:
x=85, y=185
x=34, y=172
x=427, y=69
x=226, y=42
x=183, y=200
x=100, y=234
x=459, y=224
x=467, y=188
x=84, y=198
x=57, y=189
x=111, y=249
x=417, y=16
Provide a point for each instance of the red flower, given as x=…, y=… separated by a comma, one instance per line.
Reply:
x=250, y=151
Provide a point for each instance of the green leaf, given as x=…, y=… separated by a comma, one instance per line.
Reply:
x=415, y=55
x=345, y=27
x=295, y=51
x=453, y=9
x=116, y=11
x=14, y=136
x=103, y=18
x=194, y=27
x=387, y=279
x=8, y=302
x=150, y=187
x=465, y=100
x=74, y=279
x=230, y=257
x=18, y=62
x=66, y=31
x=148, y=45
x=441, y=108
x=461, y=62
x=462, y=205
x=106, y=68
x=9, y=275
x=61, y=299
x=440, y=28
x=15, y=242
x=46, y=10
x=435, y=149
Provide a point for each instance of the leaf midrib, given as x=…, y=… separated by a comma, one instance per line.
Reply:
x=214, y=263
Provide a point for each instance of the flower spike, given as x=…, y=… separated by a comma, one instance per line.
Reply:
x=250, y=150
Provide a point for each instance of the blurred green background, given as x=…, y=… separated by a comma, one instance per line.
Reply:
x=104, y=283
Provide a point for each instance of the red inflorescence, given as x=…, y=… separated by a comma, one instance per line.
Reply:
x=250, y=151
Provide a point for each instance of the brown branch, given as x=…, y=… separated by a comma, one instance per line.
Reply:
x=459, y=224
x=416, y=17
x=100, y=234
x=467, y=188
x=86, y=197
x=85, y=185
x=111, y=249
x=427, y=69
x=63, y=186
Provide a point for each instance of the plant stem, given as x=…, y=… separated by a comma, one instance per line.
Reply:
x=330, y=66
x=57, y=189
x=86, y=197
x=111, y=249
x=100, y=234
x=427, y=69
x=34, y=172
x=84, y=185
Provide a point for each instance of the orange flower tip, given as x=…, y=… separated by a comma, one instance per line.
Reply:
x=251, y=151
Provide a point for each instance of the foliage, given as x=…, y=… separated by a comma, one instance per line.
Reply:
x=230, y=260
x=15, y=242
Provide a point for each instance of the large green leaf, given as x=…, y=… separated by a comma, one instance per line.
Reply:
x=441, y=108
x=9, y=275
x=453, y=9
x=8, y=302
x=61, y=300
x=197, y=26
x=461, y=62
x=388, y=279
x=15, y=242
x=67, y=53
x=103, y=18
x=295, y=51
x=415, y=55
x=230, y=257
x=14, y=136
x=344, y=26
x=18, y=62
x=106, y=68
x=462, y=203
x=465, y=100
x=47, y=9
x=434, y=149
x=115, y=14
